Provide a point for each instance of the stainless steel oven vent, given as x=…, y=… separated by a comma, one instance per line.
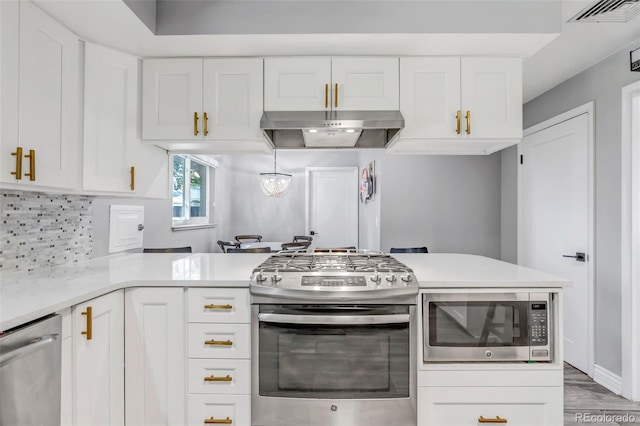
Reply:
x=608, y=11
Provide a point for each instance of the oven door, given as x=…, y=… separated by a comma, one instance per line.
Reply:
x=333, y=365
x=479, y=327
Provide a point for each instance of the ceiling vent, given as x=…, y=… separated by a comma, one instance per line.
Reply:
x=608, y=11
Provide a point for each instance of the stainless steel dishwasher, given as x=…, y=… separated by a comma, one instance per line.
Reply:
x=30, y=359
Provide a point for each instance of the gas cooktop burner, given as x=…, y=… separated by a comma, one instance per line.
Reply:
x=333, y=276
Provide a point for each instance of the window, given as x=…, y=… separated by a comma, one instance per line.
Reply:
x=192, y=180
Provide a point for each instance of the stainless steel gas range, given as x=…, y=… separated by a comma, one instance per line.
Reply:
x=333, y=340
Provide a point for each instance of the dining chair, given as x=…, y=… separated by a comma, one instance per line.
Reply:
x=250, y=250
x=248, y=238
x=335, y=249
x=168, y=250
x=225, y=245
x=298, y=238
x=302, y=245
x=409, y=250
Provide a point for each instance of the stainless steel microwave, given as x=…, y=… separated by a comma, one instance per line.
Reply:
x=467, y=327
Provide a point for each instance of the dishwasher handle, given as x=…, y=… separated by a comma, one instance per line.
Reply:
x=27, y=349
x=335, y=319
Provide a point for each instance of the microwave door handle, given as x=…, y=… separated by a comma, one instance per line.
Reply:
x=334, y=319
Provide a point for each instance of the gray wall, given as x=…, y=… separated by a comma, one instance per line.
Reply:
x=601, y=83
x=369, y=219
x=157, y=227
x=448, y=203
x=145, y=10
x=509, y=205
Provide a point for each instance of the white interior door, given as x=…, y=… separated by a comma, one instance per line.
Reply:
x=332, y=206
x=554, y=221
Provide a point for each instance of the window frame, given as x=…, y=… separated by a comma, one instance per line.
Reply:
x=187, y=221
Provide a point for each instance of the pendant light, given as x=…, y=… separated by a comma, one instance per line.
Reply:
x=274, y=184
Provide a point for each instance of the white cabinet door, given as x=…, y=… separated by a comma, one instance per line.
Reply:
x=297, y=84
x=66, y=369
x=172, y=99
x=226, y=409
x=232, y=98
x=492, y=95
x=9, y=85
x=98, y=327
x=464, y=406
x=155, y=356
x=365, y=84
x=430, y=97
x=110, y=117
x=49, y=107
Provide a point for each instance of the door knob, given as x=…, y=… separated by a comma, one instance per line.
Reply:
x=313, y=233
x=579, y=257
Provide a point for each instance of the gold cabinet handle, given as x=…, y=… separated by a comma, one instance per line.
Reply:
x=213, y=378
x=326, y=95
x=497, y=419
x=212, y=421
x=458, y=120
x=18, y=172
x=195, y=123
x=205, y=118
x=227, y=306
x=468, y=117
x=336, y=102
x=32, y=164
x=132, y=172
x=89, y=314
x=218, y=342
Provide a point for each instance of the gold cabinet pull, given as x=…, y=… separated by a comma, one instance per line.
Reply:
x=497, y=419
x=132, y=172
x=336, y=102
x=326, y=95
x=89, y=314
x=468, y=117
x=205, y=119
x=195, y=123
x=32, y=164
x=218, y=342
x=213, y=378
x=18, y=172
x=227, y=306
x=458, y=120
x=212, y=421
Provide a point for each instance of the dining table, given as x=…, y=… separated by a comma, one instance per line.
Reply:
x=273, y=245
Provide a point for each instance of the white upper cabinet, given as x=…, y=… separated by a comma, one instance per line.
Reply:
x=210, y=105
x=232, y=98
x=47, y=152
x=171, y=98
x=317, y=84
x=110, y=118
x=459, y=105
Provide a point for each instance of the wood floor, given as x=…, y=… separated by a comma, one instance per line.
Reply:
x=584, y=398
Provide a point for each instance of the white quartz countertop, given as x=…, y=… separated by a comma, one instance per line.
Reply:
x=28, y=296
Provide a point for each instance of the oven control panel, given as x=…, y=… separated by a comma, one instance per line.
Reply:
x=538, y=324
x=333, y=281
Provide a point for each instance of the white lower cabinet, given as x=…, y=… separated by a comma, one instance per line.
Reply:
x=221, y=409
x=219, y=350
x=98, y=361
x=472, y=406
x=155, y=356
x=66, y=370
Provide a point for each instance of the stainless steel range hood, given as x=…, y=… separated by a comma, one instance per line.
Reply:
x=331, y=129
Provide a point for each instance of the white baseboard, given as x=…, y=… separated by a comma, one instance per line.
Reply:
x=607, y=379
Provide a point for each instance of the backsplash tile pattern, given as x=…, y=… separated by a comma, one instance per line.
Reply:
x=43, y=230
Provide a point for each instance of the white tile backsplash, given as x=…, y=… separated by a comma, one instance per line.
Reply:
x=43, y=230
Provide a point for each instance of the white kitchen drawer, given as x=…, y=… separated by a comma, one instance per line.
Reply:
x=233, y=376
x=219, y=340
x=202, y=407
x=219, y=305
x=463, y=406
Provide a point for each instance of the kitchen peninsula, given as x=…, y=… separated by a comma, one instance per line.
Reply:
x=164, y=295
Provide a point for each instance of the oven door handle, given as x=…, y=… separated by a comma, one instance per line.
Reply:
x=334, y=319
